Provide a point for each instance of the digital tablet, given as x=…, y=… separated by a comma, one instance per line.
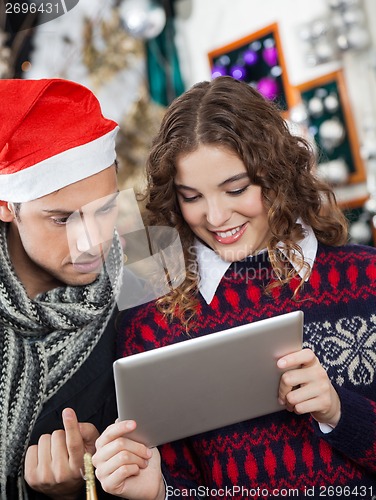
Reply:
x=205, y=383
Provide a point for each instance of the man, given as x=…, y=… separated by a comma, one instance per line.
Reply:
x=57, y=302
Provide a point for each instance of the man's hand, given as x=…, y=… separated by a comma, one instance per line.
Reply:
x=54, y=466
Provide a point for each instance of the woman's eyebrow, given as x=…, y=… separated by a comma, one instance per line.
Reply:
x=234, y=178
x=182, y=186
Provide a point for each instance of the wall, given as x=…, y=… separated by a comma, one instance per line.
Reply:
x=204, y=25
x=213, y=23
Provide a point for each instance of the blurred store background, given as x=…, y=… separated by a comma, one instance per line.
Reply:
x=316, y=59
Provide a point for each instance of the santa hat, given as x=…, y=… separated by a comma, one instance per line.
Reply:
x=52, y=134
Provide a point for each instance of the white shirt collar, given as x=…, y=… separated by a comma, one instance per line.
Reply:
x=212, y=268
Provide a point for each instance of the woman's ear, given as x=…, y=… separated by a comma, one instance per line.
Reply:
x=6, y=212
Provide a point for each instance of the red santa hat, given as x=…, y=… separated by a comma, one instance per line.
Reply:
x=52, y=134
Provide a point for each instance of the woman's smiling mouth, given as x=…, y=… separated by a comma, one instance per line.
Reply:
x=231, y=235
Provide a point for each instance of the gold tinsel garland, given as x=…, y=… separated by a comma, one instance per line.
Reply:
x=135, y=136
x=117, y=49
x=9, y=51
x=120, y=51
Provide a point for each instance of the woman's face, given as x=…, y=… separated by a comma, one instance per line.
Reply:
x=219, y=203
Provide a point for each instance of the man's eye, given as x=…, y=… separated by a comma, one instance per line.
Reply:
x=106, y=210
x=60, y=221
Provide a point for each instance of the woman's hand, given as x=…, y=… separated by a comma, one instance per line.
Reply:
x=305, y=388
x=126, y=468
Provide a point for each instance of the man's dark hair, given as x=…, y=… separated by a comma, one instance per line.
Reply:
x=17, y=208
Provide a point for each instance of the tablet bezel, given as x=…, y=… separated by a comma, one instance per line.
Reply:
x=207, y=382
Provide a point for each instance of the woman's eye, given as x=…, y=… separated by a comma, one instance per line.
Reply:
x=189, y=199
x=237, y=191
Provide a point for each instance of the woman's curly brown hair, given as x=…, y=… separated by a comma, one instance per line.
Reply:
x=231, y=114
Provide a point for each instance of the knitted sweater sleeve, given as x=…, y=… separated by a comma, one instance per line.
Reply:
x=355, y=433
x=346, y=347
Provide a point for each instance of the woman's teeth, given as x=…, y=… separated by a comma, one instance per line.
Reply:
x=228, y=233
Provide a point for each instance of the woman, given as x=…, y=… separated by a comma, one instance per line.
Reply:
x=262, y=236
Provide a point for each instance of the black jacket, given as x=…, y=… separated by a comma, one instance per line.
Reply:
x=90, y=392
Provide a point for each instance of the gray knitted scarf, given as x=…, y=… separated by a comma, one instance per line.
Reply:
x=43, y=342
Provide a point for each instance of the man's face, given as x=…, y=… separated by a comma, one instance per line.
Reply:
x=62, y=238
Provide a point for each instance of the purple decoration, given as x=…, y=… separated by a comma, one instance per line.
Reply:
x=250, y=57
x=237, y=72
x=224, y=60
x=218, y=71
x=268, y=88
x=270, y=56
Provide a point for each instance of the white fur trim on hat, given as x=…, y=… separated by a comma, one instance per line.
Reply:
x=60, y=170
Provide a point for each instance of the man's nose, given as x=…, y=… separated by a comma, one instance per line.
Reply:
x=90, y=237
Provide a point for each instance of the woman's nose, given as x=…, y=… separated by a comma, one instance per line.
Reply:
x=217, y=213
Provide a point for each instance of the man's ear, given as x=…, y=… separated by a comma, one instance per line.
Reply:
x=6, y=212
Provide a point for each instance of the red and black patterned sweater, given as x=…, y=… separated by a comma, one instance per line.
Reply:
x=282, y=453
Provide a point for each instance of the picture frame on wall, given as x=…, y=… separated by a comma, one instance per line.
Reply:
x=331, y=123
x=258, y=60
x=362, y=224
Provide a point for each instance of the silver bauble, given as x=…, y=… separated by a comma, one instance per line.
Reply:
x=331, y=133
x=143, y=19
x=360, y=232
